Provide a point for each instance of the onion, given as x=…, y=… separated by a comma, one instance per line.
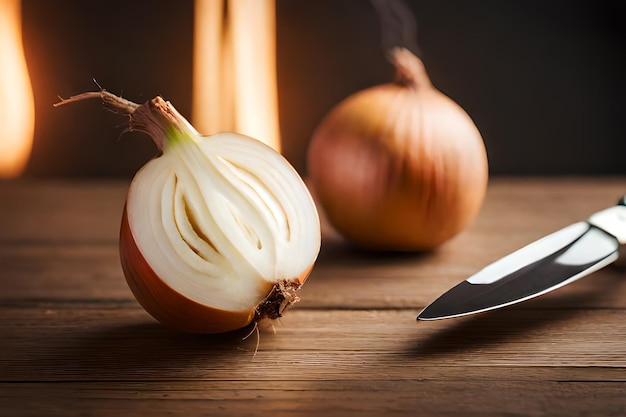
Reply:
x=399, y=166
x=218, y=231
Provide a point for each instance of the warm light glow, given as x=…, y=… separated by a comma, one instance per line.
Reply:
x=235, y=87
x=17, y=108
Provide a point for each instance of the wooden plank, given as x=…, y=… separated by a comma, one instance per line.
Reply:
x=364, y=397
x=59, y=240
x=41, y=210
x=341, y=278
x=120, y=342
x=61, y=211
x=61, y=271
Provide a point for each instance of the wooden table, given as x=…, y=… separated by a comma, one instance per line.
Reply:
x=73, y=340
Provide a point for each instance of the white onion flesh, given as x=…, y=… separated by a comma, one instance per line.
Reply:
x=248, y=229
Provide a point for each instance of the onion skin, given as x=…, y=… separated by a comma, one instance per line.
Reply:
x=399, y=166
x=173, y=309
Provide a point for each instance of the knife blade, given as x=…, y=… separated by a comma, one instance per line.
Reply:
x=549, y=263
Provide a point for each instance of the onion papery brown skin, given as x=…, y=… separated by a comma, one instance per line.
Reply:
x=399, y=166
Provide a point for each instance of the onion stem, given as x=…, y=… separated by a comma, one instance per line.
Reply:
x=110, y=100
x=156, y=117
x=410, y=70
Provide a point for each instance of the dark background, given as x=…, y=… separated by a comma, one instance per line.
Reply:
x=544, y=81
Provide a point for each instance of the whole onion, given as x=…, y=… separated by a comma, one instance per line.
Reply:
x=399, y=166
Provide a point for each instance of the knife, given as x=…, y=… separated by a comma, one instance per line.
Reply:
x=544, y=265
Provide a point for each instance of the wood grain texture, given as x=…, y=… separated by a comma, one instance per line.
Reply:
x=75, y=342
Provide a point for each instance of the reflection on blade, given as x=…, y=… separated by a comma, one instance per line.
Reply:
x=543, y=266
x=532, y=253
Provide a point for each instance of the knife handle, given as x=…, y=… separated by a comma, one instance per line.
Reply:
x=612, y=221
